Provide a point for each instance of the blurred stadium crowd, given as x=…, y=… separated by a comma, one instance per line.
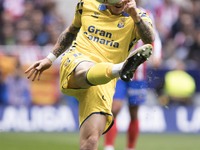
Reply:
x=29, y=22
x=30, y=27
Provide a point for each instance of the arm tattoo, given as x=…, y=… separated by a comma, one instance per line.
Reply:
x=145, y=32
x=65, y=40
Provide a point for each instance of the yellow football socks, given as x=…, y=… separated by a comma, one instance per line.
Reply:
x=100, y=73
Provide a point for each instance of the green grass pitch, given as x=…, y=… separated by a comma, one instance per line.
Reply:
x=69, y=141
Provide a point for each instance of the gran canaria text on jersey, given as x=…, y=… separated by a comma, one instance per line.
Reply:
x=101, y=36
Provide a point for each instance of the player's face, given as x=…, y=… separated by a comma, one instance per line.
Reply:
x=116, y=9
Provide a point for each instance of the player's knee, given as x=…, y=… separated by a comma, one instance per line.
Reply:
x=90, y=143
x=80, y=74
x=93, y=140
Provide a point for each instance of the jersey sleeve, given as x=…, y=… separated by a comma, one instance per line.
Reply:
x=78, y=12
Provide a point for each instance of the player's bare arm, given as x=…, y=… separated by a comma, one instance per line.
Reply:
x=64, y=41
x=145, y=32
x=144, y=29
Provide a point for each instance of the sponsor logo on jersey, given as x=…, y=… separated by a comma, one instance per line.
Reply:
x=101, y=36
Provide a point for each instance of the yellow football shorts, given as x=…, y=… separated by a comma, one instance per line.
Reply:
x=94, y=100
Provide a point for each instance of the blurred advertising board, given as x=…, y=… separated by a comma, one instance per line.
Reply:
x=154, y=119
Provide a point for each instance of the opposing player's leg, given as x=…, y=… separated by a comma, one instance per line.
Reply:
x=133, y=128
x=137, y=57
x=91, y=130
x=135, y=100
x=118, y=101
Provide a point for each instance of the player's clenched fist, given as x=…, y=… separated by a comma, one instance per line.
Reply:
x=130, y=7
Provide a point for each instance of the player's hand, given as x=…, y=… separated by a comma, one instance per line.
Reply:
x=36, y=69
x=130, y=7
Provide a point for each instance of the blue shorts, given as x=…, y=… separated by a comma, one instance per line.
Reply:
x=134, y=91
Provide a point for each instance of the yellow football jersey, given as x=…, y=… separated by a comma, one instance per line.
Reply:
x=104, y=37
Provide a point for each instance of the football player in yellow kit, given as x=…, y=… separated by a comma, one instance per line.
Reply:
x=99, y=41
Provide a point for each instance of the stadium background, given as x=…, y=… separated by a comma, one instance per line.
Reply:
x=50, y=119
